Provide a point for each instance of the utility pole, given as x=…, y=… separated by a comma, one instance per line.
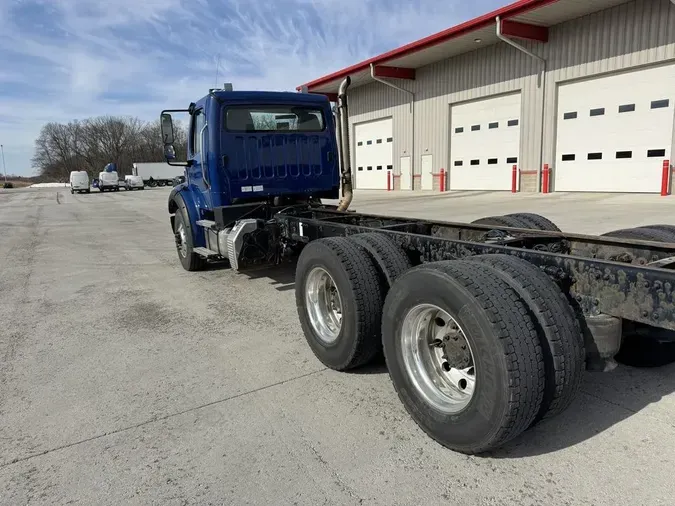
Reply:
x=4, y=167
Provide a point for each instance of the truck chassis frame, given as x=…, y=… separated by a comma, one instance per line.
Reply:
x=623, y=278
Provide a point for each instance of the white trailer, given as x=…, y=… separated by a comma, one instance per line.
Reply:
x=157, y=173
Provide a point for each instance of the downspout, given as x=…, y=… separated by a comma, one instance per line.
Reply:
x=543, y=92
x=412, y=121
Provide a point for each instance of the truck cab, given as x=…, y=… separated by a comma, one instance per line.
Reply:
x=246, y=149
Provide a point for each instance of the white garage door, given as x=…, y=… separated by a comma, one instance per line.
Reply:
x=484, y=143
x=374, y=154
x=614, y=132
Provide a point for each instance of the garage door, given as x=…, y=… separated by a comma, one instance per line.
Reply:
x=484, y=143
x=374, y=154
x=614, y=132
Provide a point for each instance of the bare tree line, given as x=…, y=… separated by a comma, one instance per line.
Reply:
x=92, y=143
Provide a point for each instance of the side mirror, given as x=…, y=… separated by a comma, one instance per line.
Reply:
x=167, y=129
x=169, y=152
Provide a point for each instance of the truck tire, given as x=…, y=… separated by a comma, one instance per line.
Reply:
x=536, y=221
x=339, y=301
x=389, y=257
x=665, y=229
x=190, y=260
x=561, y=339
x=503, y=221
x=493, y=389
x=640, y=234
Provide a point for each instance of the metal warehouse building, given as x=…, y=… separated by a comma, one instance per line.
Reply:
x=585, y=88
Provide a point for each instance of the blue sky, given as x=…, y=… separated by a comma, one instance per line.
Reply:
x=68, y=59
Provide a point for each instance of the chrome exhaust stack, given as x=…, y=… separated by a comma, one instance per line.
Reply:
x=342, y=118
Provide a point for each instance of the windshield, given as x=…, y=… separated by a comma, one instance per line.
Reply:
x=270, y=118
x=109, y=176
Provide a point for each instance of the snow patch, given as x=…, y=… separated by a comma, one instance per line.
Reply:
x=50, y=185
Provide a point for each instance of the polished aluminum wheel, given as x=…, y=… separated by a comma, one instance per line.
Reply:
x=438, y=358
x=181, y=240
x=324, y=305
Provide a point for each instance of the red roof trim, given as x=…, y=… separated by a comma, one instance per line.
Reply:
x=514, y=9
x=394, y=72
x=524, y=30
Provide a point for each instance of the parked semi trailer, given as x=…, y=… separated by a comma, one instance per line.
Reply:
x=486, y=327
x=156, y=174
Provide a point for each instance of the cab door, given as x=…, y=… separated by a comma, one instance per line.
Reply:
x=198, y=173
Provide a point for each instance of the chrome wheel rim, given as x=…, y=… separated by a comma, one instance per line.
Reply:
x=324, y=305
x=438, y=358
x=181, y=240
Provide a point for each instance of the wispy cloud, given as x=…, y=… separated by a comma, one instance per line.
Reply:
x=67, y=59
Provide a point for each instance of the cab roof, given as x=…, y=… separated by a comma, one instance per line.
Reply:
x=270, y=97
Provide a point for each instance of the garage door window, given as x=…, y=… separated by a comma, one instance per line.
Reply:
x=568, y=158
x=513, y=122
x=459, y=130
x=627, y=108
x=570, y=115
x=595, y=156
x=513, y=159
x=475, y=128
x=653, y=153
x=660, y=104
x=492, y=126
x=598, y=112
x=475, y=162
x=624, y=154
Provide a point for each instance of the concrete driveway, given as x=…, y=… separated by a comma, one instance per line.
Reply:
x=126, y=380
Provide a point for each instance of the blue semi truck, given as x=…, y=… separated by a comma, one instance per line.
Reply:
x=486, y=327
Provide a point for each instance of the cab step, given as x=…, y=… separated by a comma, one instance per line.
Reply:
x=206, y=223
x=205, y=252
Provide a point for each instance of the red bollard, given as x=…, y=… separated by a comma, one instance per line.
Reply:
x=545, y=181
x=514, y=179
x=442, y=180
x=665, y=178
x=388, y=180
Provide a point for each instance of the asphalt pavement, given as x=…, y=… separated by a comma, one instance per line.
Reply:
x=126, y=380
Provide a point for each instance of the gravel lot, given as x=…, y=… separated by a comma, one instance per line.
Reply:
x=126, y=380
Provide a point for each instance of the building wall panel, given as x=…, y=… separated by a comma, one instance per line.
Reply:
x=624, y=37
